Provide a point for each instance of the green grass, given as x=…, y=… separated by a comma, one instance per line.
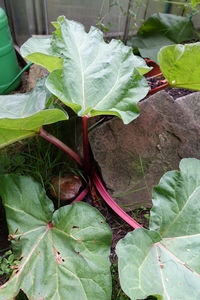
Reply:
x=37, y=158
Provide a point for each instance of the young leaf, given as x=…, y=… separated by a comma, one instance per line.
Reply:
x=165, y=260
x=97, y=77
x=64, y=255
x=22, y=115
x=180, y=65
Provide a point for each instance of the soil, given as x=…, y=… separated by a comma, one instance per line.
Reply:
x=118, y=226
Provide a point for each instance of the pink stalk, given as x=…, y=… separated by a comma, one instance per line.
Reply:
x=82, y=195
x=86, y=149
x=101, y=189
x=52, y=139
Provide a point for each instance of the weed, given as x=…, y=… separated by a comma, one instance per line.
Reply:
x=7, y=263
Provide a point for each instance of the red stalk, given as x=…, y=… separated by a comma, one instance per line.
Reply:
x=86, y=149
x=158, y=88
x=52, y=139
x=155, y=72
x=101, y=189
x=82, y=195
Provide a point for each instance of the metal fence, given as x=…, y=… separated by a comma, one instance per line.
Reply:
x=28, y=17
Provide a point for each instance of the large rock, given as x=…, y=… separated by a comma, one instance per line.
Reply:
x=133, y=157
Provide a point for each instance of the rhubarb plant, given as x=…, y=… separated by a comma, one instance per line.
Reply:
x=64, y=253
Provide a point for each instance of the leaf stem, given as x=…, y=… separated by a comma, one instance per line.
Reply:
x=155, y=72
x=52, y=139
x=100, y=187
x=158, y=88
x=86, y=149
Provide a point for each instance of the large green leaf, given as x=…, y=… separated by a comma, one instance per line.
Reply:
x=180, y=65
x=96, y=77
x=22, y=115
x=165, y=260
x=64, y=255
x=161, y=30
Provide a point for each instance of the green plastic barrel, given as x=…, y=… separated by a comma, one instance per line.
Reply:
x=8, y=61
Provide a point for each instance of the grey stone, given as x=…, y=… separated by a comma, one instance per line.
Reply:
x=132, y=158
x=191, y=104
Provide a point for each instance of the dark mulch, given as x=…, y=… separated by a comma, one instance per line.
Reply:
x=177, y=92
x=174, y=92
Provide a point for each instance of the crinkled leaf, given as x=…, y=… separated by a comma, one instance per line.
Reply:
x=41, y=52
x=64, y=255
x=180, y=65
x=162, y=30
x=165, y=260
x=22, y=115
x=97, y=77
